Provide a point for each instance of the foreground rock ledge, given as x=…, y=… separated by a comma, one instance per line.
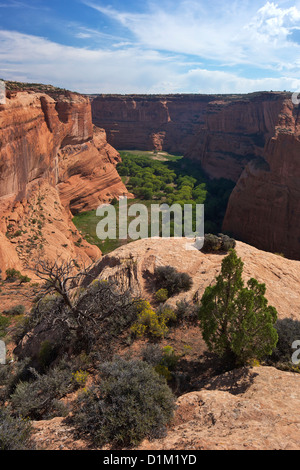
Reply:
x=246, y=409
x=132, y=266
x=255, y=409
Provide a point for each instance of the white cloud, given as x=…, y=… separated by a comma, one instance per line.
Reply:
x=236, y=33
x=190, y=48
x=37, y=59
x=131, y=70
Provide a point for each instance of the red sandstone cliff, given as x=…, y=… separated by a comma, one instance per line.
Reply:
x=264, y=208
x=251, y=139
x=150, y=122
x=223, y=133
x=51, y=161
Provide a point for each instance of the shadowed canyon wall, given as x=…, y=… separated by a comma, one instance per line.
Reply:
x=251, y=139
x=52, y=163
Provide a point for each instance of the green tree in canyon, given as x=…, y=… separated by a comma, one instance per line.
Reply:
x=236, y=321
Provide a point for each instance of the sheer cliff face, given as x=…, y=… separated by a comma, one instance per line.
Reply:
x=223, y=133
x=250, y=139
x=52, y=162
x=264, y=207
x=150, y=122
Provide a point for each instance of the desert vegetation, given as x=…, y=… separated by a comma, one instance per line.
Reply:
x=108, y=362
x=156, y=180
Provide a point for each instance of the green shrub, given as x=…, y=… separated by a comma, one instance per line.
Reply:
x=80, y=377
x=38, y=398
x=215, y=243
x=13, y=275
x=4, y=324
x=47, y=354
x=16, y=310
x=162, y=295
x=167, y=277
x=132, y=402
x=236, y=321
x=149, y=323
x=15, y=433
x=288, y=331
x=167, y=314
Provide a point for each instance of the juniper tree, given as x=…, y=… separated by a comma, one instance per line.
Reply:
x=236, y=321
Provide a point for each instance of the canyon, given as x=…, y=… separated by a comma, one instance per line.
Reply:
x=53, y=163
x=252, y=140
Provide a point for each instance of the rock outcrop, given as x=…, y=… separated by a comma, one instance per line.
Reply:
x=132, y=266
x=246, y=409
x=264, y=208
x=52, y=162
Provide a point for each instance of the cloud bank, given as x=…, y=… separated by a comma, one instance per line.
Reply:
x=192, y=47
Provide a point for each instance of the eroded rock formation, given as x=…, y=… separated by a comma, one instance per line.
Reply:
x=223, y=133
x=132, y=267
x=52, y=162
x=264, y=207
x=251, y=139
x=245, y=409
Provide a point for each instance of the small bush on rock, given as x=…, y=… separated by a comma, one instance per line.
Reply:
x=38, y=398
x=288, y=331
x=14, y=432
x=167, y=277
x=132, y=402
x=215, y=243
x=162, y=295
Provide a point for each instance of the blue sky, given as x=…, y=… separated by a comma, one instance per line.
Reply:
x=157, y=46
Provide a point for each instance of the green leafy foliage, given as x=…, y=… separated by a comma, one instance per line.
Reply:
x=167, y=277
x=130, y=403
x=236, y=320
x=38, y=398
x=215, y=243
x=177, y=180
x=162, y=295
x=4, y=324
x=150, y=323
x=13, y=275
x=15, y=432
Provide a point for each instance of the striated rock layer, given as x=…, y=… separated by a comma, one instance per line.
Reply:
x=223, y=132
x=264, y=207
x=52, y=162
x=251, y=139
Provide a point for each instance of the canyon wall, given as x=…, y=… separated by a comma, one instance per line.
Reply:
x=52, y=163
x=252, y=140
x=264, y=207
x=223, y=133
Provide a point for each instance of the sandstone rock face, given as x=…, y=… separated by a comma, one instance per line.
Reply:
x=263, y=209
x=150, y=122
x=246, y=409
x=88, y=175
x=132, y=266
x=51, y=161
x=223, y=133
x=251, y=139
